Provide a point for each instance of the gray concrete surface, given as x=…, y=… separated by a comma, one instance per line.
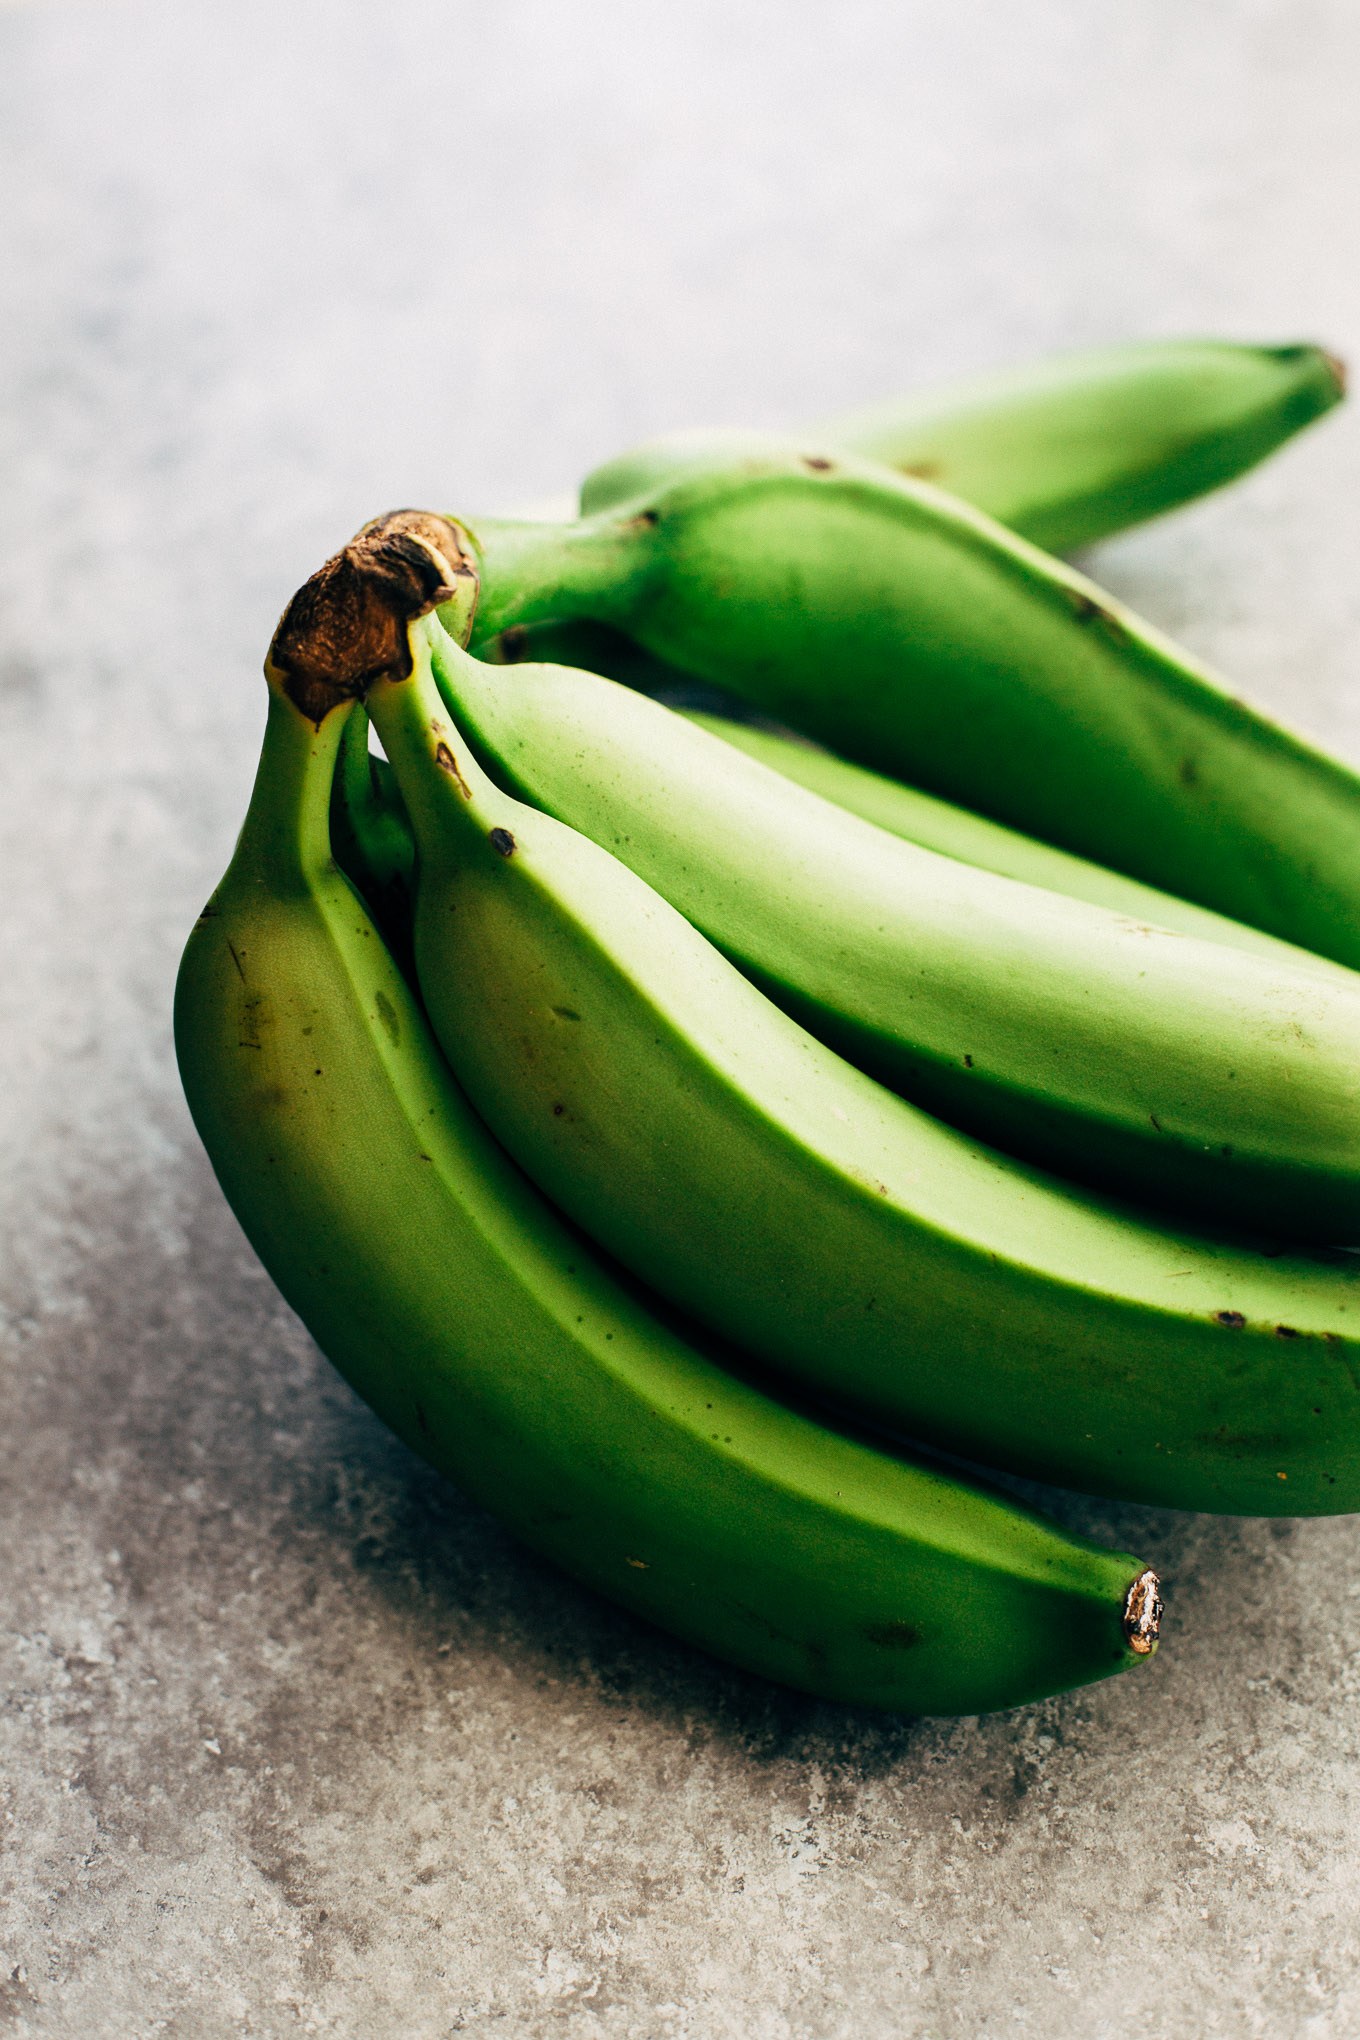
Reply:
x=293, y=1740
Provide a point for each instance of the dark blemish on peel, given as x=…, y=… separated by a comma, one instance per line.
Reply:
x=565, y=1013
x=968, y=1062
x=502, y=842
x=1155, y=1121
x=1189, y=774
x=445, y=760
x=646, y=520
x=1287, y=1332
x=1233, y=1319
x=819, y=464
x=558, y=1110
x=893, y=1635
x=387, y=1013
x=240, y=972
x=1086, y=609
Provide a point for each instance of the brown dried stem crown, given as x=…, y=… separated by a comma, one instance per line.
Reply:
x=349, y=624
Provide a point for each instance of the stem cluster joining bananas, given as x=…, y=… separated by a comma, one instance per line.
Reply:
x=500, y=1345
x=661, y=968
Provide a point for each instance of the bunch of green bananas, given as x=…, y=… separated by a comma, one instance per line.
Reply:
x=636, y=1106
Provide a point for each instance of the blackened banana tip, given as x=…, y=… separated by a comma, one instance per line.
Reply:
x=1143, y=1614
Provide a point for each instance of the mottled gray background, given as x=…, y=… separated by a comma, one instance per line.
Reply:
x=293, y=1740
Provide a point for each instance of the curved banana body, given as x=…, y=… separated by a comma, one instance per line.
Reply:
x=919, y=637
x=1065, y=450
x=499, y=1345
x=1149, y=1062
x=794, y=1205
x=375, y=848
x=971, y=838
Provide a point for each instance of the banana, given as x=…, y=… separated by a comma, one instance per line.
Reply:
x=1144, y=1061
x=374, y=846
x=371, y=837
x=502, y=1348
x=957, y=832
x=795, y=1206
x=1064, y=451
x=920, y=637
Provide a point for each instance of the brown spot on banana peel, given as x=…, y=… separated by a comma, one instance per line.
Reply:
x=892, y=1635
x=348, y=625
x=445, y=760
x=1086, y=609
x=1143, y=1612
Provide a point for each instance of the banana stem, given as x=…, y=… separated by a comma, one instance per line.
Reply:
x=537, y=573
x=450, y=799
x=285, y=840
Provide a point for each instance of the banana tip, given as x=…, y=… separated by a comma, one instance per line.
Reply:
x=1143, y=1614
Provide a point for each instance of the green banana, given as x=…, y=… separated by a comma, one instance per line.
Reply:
x=1065, y=450
x=957, y=832
x=1141, y=1060
x=788, y=1201
x=375, y=848
x=500, y=1346
x=378, y=852
x=918, y=636
x=371, y=837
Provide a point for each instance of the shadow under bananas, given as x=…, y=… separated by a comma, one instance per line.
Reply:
x=306, y=1627
x=246, y=1489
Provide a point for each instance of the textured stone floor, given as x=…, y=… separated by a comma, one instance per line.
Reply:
x=293, y=1740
